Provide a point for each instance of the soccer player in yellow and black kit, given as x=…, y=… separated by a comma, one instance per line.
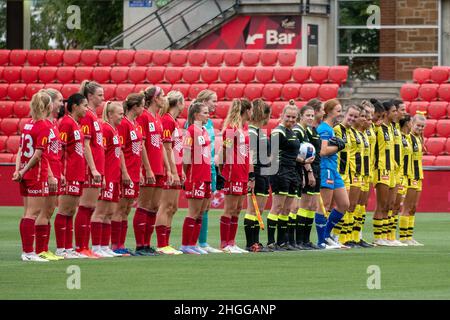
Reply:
x=414, y=188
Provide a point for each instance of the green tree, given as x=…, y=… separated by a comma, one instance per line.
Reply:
x=100, y=22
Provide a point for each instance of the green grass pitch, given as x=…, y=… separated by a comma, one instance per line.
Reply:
x=405, y=272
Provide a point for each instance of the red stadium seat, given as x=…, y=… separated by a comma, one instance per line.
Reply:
x=69, y=89
x=430, y=128
x=89, y=57
x=428, y=160
x=56, y=86
x=214, y=58
x=109, y=91
x=33, y=88
x=272, y=91
x=195, y=89
x=165, y=87
x=119, y=74
x=246, y=74
x=155, y=74
x=290, y=91
x=407, y=104
x=272, y=124
x=338, y=74
x=22, y=109
x=178, y=58
x=232, y=58
x=71, y=57
x=101, y=74
x=12, y=74
x=29, y=74
x=83, y=73
x=125, y=57
x=287, y=57
x=447, y=146
x=222, y=109
x=54, y=57
x=442, y=161
x=18, y=57
x=328, y=91
x=409, y=91
x=277, y=109
x=197, y=58
x=253, y=90
x=421, y=75
x=319, y=74
x=444, y=92
x=250, y=58
x=218, y=123
x=282, y=74
x=6, y=109
x=264, y=74
x=439, y=74
x=309, y=91
x=4, y=57
x=183, y=88
x=210, y=74
x=301, y=74
x=191, y=74
x=65, y=74
x=1, y=74
x=6, y=158
x=219, y=89
x=173, y=74
x=235, y=90
x=9, y=126
x=12, y=144
x=3, y=91
x=22, y=123
x=436, y=145
x=47, y=74
x=143, y=57
x=443, y=128
x=16, y=91
x=36, y=57
x=107, y=58
x=228, y=74
x=161, y=57
x=300, y=104
x=437, y=109
x=3, y=143
x=428, y=91
x=269, y=58
x=123, y=90
x=137, y=74
x=141, y=87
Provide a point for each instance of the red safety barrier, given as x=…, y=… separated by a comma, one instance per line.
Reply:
x=435, y=195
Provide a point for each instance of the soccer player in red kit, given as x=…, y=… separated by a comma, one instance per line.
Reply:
x=95, y=165
x=32, y=171
x=155, y=163
x=235, y=170
x=109, y=195
x=73, y=173
x=197, y=165
x=173, y=147
x=130, y=135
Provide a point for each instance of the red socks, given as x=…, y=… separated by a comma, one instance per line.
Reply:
x=116, y=227
x=224, y=231
x=41, y=238
x=123, y=234
x=69, y=233
x=49, y=228
x=196, y=233
x=188, y=230
x=82, y=227
x=139, y=226
x=96, y=228
x=60, y=231
x=106, y=234
x=233, y=230
x=168, y=230
x=27, y=234
x=149, y=227
x=161, y=236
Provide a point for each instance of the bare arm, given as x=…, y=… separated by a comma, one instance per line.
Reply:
x=170, y=159
x=123, y=167
x=90, y=160
x=37, y=156
x=16, y=171
x=146, y=164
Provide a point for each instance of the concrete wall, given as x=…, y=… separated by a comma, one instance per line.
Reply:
x=324, y=45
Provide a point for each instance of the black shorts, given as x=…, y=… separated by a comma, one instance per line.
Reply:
x=262, y=185
x=300, y=185
x=316, y=189
x=285, y=182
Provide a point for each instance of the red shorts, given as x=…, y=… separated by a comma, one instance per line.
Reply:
x=170, y=187
x=197, y=190
x=160, y=182
x=58, y=189
x=31, y=188
x=72, y=188
x=111, y=192
x=235, y=188
x=130, y=191
x=89, y=182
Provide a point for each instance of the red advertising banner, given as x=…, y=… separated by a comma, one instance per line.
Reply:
x=255, y=32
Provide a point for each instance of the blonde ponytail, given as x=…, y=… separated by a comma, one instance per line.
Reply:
x=40, y=105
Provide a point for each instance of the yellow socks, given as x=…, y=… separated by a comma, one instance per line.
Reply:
x=403, y=228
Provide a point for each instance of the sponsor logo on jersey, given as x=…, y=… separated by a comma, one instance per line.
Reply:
x=151, y=127
x=77, y=135
x=133, y=135
x=96, y=126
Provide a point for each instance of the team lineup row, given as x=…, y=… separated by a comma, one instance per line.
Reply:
x=137, y=153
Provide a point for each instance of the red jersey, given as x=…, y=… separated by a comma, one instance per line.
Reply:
x=93, y=131
x=130, y=135
x=73, y=162
x=152, y=132
x=35, y=135
x=111, y=144
x=172, y=134
x=54, y=149
x=198, y=143
x=237, y=161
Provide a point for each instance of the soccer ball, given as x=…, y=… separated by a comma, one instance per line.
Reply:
x=306, y=150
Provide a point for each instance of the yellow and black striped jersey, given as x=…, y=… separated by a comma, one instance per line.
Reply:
x=356, y=152
x=406, y=166
x=397, y=144
x=417, y=154
x=343, y=161
x=384, y=148
x=366, y=168
x=371, y=136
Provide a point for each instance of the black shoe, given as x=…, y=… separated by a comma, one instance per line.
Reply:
x=288, y=247
x=266, y=248
x=150, y=251
x=312, y=246
x=140, y=251
x=275, y=247
x=364, y=244
x=302, y=246
x=350, y=244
